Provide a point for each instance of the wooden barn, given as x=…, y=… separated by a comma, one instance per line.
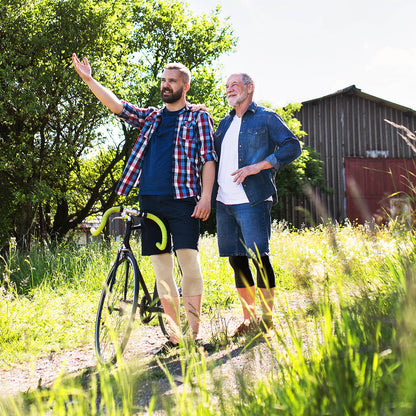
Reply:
x=366, y=161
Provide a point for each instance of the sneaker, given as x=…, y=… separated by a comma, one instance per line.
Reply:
x=244, y=329
x=166, y=348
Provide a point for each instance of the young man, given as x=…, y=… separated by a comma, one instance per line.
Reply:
x=174, y=144
x=252, y=143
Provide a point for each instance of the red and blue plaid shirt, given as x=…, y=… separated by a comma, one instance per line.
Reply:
x=193, y=146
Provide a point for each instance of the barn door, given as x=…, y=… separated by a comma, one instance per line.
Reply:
x=379, y=189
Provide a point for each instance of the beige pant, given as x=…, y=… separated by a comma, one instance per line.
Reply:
x=188, y=259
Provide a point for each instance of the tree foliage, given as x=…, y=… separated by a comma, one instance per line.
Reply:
x=166, y=31
x=305, y=170
x=46, y=123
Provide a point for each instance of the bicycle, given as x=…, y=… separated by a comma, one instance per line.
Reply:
x=120, y=294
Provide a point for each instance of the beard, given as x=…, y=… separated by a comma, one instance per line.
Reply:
x=232, y=101
x=237, y=99
x=172, y=96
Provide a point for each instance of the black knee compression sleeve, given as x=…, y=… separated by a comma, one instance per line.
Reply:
x=242, y=272
x=265, y=273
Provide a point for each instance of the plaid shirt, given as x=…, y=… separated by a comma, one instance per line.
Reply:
x=193, y=146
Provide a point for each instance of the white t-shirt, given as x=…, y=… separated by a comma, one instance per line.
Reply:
x=229, y=192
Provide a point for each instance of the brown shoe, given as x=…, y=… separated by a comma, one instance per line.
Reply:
x=265, y=324
x=167, y=348
x=244, y=329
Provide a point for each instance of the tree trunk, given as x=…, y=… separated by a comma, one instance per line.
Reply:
x=23, y=228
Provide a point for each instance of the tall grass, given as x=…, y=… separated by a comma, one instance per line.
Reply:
x=109, y=393
x=344, y=347
x=354, y=355
x=47, y=300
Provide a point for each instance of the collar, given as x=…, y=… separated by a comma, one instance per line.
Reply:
x=252, y=108
x=182, y=110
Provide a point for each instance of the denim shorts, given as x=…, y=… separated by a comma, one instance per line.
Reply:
x=241, y=227
x=183, y=230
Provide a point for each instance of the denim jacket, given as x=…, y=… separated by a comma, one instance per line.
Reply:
x=263, y=136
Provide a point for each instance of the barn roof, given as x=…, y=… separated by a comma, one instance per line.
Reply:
x=353, y=90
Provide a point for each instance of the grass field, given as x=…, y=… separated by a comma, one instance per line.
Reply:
x=359, y=358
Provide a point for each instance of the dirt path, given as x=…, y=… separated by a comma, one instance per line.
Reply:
x=143, y=344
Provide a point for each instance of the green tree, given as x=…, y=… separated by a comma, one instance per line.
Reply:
x=45, y=124
x=165, y=31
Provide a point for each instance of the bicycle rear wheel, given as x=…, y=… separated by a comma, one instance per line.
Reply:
x=117, y=309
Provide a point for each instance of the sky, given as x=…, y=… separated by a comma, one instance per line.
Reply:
x=297, y=50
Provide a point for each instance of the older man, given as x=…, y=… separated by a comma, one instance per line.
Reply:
x=252, y=143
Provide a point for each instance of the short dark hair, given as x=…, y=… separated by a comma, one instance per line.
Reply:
x=183, y=70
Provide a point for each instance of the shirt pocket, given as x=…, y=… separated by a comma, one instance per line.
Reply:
x=256, y=136
x=187, y=128
x=187, y=139
x=186, y=132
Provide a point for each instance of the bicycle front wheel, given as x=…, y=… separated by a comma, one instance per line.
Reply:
x=117, y=309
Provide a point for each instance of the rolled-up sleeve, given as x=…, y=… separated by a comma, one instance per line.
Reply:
x=289, y=150
x=288, y=145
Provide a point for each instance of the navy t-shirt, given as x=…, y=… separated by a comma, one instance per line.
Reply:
x=156, y=177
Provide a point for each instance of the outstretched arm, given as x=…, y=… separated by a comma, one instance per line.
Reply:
x=102, y=93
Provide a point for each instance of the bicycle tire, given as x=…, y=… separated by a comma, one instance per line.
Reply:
x=117, y=309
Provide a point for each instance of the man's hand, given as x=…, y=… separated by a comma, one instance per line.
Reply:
x=202, y=209
x=101, y=92
x=241, y=174
x=83, y=69
x=196, y=107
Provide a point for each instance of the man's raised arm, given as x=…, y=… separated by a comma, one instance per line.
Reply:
x=102, y=93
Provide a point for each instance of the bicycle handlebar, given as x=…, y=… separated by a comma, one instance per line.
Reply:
x=134, y=212
x=110, y=211
x=159, y=222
